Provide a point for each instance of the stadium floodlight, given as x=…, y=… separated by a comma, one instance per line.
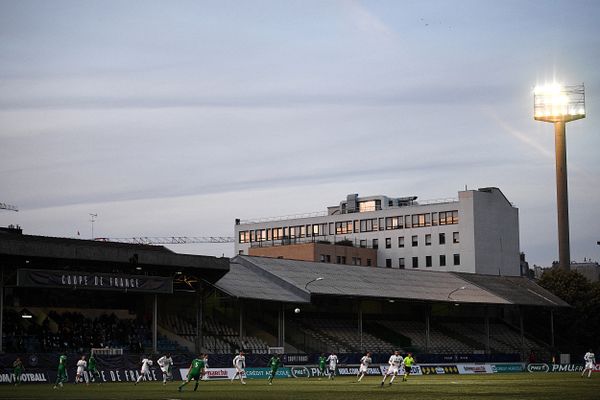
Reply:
x=560, y=104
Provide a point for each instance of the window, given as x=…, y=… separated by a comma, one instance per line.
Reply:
x=388, y=263
x=457, y=259
x=401, y=263
x=338, y=260
x=421, y=220
x=381, y=224
x=375, y=243
x=428, y=239
x=407, y=221
x=400, y=241
x=388, y=243
x=448, y=217
x=442, y=238
x=394, y=223
x=343, y=259
x=343, y=227
x=358, y=261
x=356, y=226
x=322, y=258
x=363, y=243
x=368, y=262
x=455, y=238
x=415, y=261
x=434, y=219
x=442, y=260
x=244, y=237
x=428, y=261
x=415, y=241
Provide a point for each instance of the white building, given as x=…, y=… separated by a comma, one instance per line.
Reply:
x=476, y=233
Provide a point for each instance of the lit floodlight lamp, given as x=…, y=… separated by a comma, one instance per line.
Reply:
x=558, y=103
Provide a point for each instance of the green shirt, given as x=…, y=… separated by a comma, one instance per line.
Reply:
x=274, y=363
x=62, y=362
x=409, y=361
x=18, y=366
x=322, y=362
x=197, y=366
x=91, y=364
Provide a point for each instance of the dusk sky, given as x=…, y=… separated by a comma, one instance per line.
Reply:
x=176, y=117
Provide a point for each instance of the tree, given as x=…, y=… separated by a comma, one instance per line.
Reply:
x=577, y=327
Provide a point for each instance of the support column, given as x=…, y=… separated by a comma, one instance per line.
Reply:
x=1, y=310
x=552, y=329
x=155, y=325
x=562, y=198
x=522, y=333
x=199, y=342
x=487, y=331
x=427, y=327
x=241, y=305
x=360, y=325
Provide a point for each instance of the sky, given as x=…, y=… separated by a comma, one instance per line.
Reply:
x=174, y=118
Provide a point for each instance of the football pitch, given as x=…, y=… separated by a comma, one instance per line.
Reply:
x=490, y=387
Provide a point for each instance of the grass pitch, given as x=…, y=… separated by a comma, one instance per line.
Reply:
x=515, y=386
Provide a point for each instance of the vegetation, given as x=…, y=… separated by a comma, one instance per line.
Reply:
x=577, y=327
x=522, y=386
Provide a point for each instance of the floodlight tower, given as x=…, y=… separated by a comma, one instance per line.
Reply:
x=560, y=104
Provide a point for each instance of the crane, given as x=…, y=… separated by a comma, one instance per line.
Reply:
x=169, y=239
x=4, y=206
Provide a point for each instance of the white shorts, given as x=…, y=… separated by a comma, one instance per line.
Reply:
x=393, y=369
x=165, y=369
x=589, y=365
x=80, y=370
x=363, y=368
x=145, y=371
x=239, y=370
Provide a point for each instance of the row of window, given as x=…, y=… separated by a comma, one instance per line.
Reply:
x=352, y=226
x=326, y=258
x=414, y=240
x=428, y=261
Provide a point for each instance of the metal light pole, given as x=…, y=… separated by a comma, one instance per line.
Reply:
x=560, y=104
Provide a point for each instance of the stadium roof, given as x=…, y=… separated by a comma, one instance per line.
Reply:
x=283, y=280
x=45, y=252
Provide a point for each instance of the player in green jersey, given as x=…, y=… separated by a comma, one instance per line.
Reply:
x=196, y=371
x=322, y=365
x=18, y=370
x=93, y=369
x=407, y=363
x=274, y=363
x=61, y=376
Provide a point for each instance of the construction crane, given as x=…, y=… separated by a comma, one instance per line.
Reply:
x=4, y=206
x=169, y=239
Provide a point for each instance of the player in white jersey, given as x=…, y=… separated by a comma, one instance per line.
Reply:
x=333, y=362
x=394, y=361
x=145, y=371
x=239, y=363
x=204, y=376
x=81, y=375
x=590, y=363
x=364, y=366
x=166, y=366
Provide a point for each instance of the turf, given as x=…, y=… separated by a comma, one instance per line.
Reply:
x=490, y=387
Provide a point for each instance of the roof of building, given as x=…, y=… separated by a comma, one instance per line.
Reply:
x=52, y=251
x=286, y=280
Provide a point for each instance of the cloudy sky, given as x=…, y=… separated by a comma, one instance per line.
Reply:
x=175, y=118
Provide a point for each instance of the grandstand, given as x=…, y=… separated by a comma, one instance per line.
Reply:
x=147, y=299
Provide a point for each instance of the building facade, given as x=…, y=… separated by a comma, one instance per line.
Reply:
x=320, y=252
x=476, y=233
